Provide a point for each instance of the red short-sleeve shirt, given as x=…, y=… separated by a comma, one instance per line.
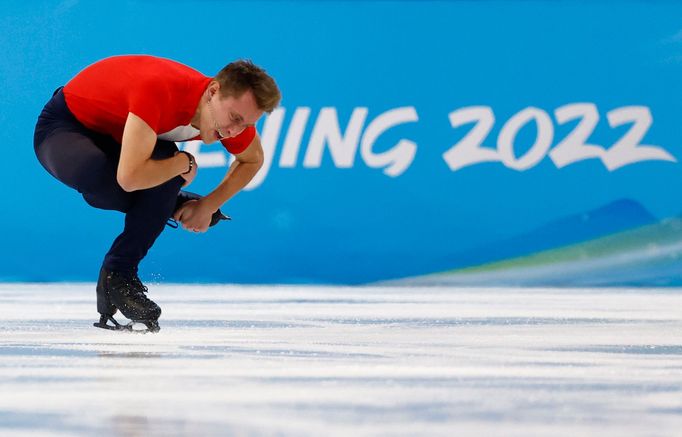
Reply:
x=163, y=93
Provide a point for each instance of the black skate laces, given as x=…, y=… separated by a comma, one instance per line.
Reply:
x=137, y=283
x=134, y=288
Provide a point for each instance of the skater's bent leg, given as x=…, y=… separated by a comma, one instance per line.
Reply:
x=146, y=219
x=76, y=160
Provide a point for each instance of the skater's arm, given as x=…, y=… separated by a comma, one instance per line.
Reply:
x=136, y=170
x=240, y=173
x=196, y=214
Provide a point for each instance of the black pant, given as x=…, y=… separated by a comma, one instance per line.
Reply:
x=87, y=161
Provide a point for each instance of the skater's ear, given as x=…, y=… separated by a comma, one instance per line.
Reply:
x=213, y=89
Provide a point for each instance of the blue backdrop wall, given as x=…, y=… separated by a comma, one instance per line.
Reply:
x=460, y=142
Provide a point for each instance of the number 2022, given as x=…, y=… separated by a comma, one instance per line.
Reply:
x=627, y=150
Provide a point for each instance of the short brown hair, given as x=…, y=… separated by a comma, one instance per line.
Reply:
x=240, y=76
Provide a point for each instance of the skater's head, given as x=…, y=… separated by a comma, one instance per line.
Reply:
x=235, y=99
x=242, y=76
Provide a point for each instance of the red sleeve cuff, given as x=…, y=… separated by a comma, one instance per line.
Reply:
x=238, y=144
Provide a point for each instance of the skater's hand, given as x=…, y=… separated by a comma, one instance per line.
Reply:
x=189, y=177
x=194, y=215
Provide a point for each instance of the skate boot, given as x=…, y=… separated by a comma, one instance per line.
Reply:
x=126, y=293
x=184, y=196
x=104, y=305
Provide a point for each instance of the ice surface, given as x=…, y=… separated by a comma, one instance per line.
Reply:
x=234, y=360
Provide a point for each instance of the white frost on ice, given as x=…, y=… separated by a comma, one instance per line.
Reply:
x=234, y=360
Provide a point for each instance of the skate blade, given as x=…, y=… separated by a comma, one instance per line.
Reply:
x=143, y=326
x=136, y=326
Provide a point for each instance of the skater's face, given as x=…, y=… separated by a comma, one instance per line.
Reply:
x=228, y=116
